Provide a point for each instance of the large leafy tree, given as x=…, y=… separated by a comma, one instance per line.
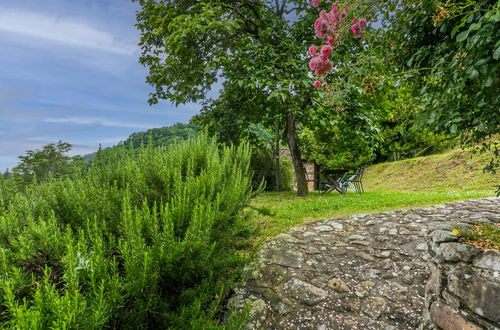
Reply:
x=450, y=54
x=256, y=49
x=50, y=161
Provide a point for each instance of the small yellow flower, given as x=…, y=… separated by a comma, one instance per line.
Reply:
x=455, y=231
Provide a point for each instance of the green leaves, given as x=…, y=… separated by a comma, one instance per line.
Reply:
x=454, y=62
x=496, y=54
x=140, y=242
x=462, y=36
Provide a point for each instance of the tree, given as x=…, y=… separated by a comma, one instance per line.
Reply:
x=256, y=48
x=7, y=174
x=449, y=53
x=40, y=165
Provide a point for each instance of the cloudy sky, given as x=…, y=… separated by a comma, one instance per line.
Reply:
x=69, y=71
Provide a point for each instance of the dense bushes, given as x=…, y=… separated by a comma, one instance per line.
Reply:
x=263, y=167
x=138, y=243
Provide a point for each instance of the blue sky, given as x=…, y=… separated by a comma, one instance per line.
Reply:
x=69, y=71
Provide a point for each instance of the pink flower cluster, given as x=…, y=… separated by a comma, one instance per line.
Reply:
x=357, y=27
x=319, y=61
x=329, y=25
x=315, y=3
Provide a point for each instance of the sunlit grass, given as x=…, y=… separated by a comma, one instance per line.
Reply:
x=275, y=213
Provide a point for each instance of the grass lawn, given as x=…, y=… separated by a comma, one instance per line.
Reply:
x=275, y=213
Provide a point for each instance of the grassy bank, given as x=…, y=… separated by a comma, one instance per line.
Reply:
x=456, y=170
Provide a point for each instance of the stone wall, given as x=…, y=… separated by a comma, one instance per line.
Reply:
x=463, y=291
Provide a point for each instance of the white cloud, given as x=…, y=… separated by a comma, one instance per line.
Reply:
x=62, y=30
x=97, y=121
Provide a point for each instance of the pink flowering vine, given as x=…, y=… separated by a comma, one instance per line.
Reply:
x=330, y=26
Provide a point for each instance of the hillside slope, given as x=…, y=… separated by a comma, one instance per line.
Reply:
x=454, y=170
x=162, y=136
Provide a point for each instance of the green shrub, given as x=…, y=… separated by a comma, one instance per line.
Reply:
x=142, y=242
x=8, y=190
x=263, y=166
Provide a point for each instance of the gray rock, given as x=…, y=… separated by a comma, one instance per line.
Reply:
x=384, y=254
x=304, y=292
x=440, y=236
x=374, y=307
x=456, y=252
x=338, y=285
x=284, y=292
x=439, y=226
x=478, y=293
x=287, y=258
x=335, y=225
x=356, y=238
x=421, y=247
x=323, y=228
x=488, y=260
x=364, y=243
x=287, y=238
x=445, y=317
x=365, y=256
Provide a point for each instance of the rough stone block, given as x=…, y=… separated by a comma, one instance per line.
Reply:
x=304, y=292
x=481, y=295
x=441, y=236
x=287, y=258
x=433, y=286
x=446, y=318
x=457, y=252
x=488, y=260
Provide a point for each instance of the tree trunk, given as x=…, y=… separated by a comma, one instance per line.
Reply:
x=277, y=155
x=298, y=167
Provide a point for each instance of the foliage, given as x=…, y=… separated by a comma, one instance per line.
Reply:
x=263, y=166
x=138, y=243
x=50, y=162
x=160, y=137
x=254, y=47
x=7, y=174
x=482, y=235
x=8, y=190
x=450, y=54
x=344, y=143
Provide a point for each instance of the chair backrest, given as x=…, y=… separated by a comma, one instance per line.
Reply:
x=359, y=174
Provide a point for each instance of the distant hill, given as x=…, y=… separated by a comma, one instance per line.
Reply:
x=458, y=170
x=163, y=136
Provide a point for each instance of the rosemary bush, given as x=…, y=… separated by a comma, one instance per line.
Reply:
x=140, y=242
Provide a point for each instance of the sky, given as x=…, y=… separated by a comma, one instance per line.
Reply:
x=69, y=71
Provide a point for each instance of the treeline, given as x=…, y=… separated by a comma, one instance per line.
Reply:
x=160, y=137
x=52, y=161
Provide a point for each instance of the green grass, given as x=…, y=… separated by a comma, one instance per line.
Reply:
x=275, y=213
x=456, y=170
